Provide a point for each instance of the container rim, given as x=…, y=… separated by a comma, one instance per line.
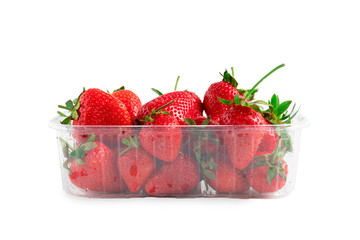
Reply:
x=298, y=122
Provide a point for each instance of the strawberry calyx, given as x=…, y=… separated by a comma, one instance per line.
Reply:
x=119, y=89
x=77, y=154
x=273, y=161
x=242, y=102
x=277, y=113
x=229, y=78
x=72, y=106
x=157, y=112
x=189, y=121
x=133, y=142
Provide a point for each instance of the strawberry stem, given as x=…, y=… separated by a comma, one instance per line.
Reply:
x=276, y=150
x=257, y=84
x=177, y=81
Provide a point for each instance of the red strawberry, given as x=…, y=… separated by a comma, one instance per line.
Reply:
x=242, y=144
x=226, y=178
x=162, y=136
x=187, y=105
x=92, y=167
x=213, y=107
x=225, y=89
x=135, y=165
x=176, y=177
x=96, y=107
x=131, y=101
x=100, y=108
x=267, y=174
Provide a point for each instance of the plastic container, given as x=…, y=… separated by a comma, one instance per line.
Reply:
x=98, y=175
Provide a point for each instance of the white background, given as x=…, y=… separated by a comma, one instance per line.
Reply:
x=49, y=50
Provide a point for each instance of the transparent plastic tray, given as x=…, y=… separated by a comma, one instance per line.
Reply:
x=199, y=146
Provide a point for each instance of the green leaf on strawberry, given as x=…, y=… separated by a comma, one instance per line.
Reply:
x=277, y=112
x=133, y=142
x=77, y=154
x=189, y=121
x=209, y=174
x=157, y=91
x=72, y=107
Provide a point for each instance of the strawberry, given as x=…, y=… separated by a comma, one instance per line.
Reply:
x=96, y=107
x=187, y=104
x=225, y=89
x=267, y=172
x=176, y=177
x=131, y=101
x=226, y=178
x=135, y=165
x=163, y=138
x=92, y=167
x=242, y=145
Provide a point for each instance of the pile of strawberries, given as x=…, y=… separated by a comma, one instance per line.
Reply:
x=239, y=145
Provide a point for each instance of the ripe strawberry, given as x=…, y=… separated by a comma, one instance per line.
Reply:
x=163, y=138
x=242, y=145
x=96, y=107
x=226, y=178
x=176, y=177
x=267, y=173
x=135, y=165
x=225, y=89
x=131, y=101
x=187, y=104
x=92, y=167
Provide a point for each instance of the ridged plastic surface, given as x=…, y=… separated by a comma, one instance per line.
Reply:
x=201, y=168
